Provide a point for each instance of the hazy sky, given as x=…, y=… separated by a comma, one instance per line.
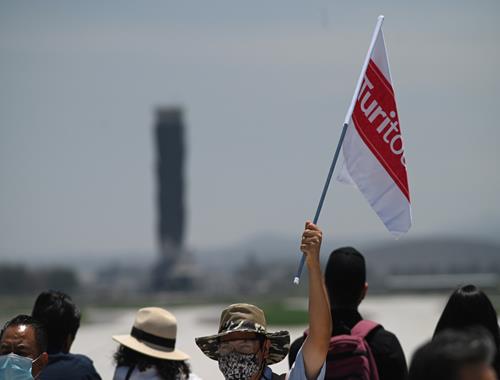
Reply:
x=265, y=86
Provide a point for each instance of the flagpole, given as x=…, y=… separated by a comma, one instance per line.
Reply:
x=380, y=20
x=296, y=279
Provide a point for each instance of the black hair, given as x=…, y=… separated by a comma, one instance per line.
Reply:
x=40, y=333
x=469, y=306
x=345, y=277
x=448, y=352
x=167, y=369
x=60, y=316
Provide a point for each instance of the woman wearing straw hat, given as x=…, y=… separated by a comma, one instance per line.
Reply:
x=148, y=352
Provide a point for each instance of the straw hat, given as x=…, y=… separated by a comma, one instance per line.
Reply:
x=153, y=334
x=248, y=318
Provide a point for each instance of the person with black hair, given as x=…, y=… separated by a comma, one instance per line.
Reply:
x=61, y=319
x=148, y=352
x=455, y=355
x=345, y=280
x=23, y=346
x=469, y=306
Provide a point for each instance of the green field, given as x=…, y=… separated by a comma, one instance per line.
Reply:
x=281, y=314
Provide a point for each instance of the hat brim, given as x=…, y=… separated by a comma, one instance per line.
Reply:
x=150, y=349
x=280, y=344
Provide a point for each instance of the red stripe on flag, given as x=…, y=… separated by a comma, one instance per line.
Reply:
x=376, y=120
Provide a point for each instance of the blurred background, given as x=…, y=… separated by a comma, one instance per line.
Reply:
x=168, y=153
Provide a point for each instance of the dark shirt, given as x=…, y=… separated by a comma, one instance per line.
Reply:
x=69, y=366
x=386, y=349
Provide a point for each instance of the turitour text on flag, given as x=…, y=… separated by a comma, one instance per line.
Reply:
x=373, y=149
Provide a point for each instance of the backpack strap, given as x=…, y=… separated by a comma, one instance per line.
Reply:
x=363, y=328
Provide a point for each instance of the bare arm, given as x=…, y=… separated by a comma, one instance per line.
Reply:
x=316, y=345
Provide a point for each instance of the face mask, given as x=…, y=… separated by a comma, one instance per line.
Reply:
x=238, y=366
x=15, y=367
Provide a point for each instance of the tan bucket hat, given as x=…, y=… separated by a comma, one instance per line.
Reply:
x=248, y=318
x=153, y=334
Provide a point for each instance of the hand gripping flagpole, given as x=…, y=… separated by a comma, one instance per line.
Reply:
x=380, y=20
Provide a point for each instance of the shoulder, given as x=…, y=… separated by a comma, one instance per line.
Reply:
x=81, y=358
x=382, y=340
x=79, y=366
x=298, y=371
x=388, y=354
x=84, y=366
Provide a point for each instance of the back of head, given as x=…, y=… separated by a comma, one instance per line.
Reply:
x=60, y=316
x=450, y=352
x=469, y=306
x=26, y=320
x=166, y=369
x=345, y=277
x=151, y=343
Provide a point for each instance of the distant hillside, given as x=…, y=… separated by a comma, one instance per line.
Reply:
x=392, y=265
x=425, y=254
x=434, y=255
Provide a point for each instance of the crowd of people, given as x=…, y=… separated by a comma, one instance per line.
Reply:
x=338, y=343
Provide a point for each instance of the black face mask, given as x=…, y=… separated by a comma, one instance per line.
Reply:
x=238, y=366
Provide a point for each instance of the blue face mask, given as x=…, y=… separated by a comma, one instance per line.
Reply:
x=15, y=367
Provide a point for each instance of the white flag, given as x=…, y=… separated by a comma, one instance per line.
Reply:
x=373, y=150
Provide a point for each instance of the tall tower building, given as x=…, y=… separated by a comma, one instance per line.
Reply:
x=170, y=155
